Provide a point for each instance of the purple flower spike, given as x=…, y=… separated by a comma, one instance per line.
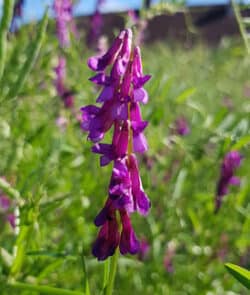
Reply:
x=129, y=243
x=122, y=91
x=64, y=14
x=230, y=163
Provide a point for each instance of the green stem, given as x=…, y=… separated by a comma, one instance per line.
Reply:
x=21, y=248
x=112, y=273
x=241, y=26
x=85, y=279
x=4, y=27
x=42, y=289
x=105, y=275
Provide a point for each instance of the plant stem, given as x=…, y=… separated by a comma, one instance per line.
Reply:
x=85, y=279
x=112, y=273
x=42, y=289
x=21, y=247
x=4, y=27
x=241, y=26
x=105, y=275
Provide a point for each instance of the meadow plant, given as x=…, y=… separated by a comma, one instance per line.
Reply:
x=122, y=92
x=231, y=162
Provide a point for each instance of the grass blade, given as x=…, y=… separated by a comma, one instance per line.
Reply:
x=32, y=54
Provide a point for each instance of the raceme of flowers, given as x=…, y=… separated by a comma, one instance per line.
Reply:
x=64, y=17
x=231, y=162
x=119, y=108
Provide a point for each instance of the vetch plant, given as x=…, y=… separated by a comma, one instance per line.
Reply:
x=231, y=162
x=120, y=101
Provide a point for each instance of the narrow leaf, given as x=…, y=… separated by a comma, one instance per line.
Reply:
x=32, y=54
x=4, y=27
x=241, y=274
x=241, y=143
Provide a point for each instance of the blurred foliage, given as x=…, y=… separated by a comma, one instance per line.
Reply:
x=64, y=187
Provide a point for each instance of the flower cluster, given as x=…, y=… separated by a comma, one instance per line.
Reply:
x=120, y=97
x=64, y=15
x=231, y=162
x=66, y=95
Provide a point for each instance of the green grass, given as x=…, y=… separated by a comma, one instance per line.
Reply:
x=64, y=187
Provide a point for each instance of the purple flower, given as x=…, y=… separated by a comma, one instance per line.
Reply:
x=97, y=121
x=5, y=208
x=4, y=202
x=119, y=108
x=100, y=63
x=137, y=125
x=60, y=71
x=169, y=255
x=63, y=13
x=66, y=95
x=108, y=239
x=181, y=126
x=144, y=249
x=231, y=162
x=141, y=202
x=117, y=149
x=129, y=242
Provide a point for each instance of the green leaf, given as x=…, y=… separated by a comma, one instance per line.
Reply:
x=185, y=95
x=42, y=289
x=241, y=274
x=242, y=142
